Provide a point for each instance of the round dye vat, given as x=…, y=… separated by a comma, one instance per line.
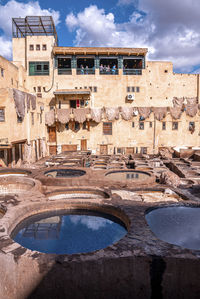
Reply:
x=123, y=175
x=67, y=173
x=69, y=232
x=176, y=225
x=77, y=194
x=14, y=172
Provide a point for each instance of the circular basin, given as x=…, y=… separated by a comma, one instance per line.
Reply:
x=130, y=175
x=67, y=173
x=13, y=172
x=176, y=225
x=68, y=232
x=77, y=194
x=11, y=185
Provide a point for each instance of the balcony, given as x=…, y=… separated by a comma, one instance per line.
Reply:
x=85, y=71
x=64, y=71
x=108, y=71
x=132, y=72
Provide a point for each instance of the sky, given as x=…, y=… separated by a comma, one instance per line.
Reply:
x=169, y=29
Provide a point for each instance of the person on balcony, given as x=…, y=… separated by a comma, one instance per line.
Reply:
x=86, y=70
x=114, y=69
x=82, y=70
x=101, y=68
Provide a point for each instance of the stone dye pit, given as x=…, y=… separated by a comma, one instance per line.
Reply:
x=11, y=185
x=77, y=194
x=67, y=173
x=124, y=175
x=14, y=172
x=176, y=225
x=69, y=232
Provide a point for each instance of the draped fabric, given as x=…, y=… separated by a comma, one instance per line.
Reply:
x=144, y=111
x=19, y=99
x=191, y=107
x=175, y=112
x=112, y=113
x=160, y=112
x=49, y=118
x=80, y=114
x=126, y=113
x=64, y=115
x=96, y=114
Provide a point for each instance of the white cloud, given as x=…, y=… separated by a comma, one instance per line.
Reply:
x=91, y=222
x=5, y=47
x=18, y=9
x=170, y=29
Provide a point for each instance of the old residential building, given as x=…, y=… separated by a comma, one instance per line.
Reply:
x=107, y=100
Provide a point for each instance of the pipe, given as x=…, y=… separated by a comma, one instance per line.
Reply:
x=154, y=135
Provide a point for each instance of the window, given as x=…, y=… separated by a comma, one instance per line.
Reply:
x=67, y=126
x=141, y=125
x=137, y=89
x=19, y=119
x=39, y=68
x=191, y=126
x=37, y=47
x=41, y=117
x=31, y=47
x=32, y=118
x=128, y=89
x=107, y=128
x=90, y=87
x=34, y=89
x=84, y=125
x=174, y=125
x=143, y=150
x=44, y=47
x=163, y=125
x=12, y=81
x=82, y=103
x=39, y=88
x=2, y=114
x=85, y=87
x=59, y=105
x=77, y=126
x=133, y=89
x=166, y=71
x=95, y=89
x=2, y=72
x=73, y=104
x=150, y=124
x=133, y=124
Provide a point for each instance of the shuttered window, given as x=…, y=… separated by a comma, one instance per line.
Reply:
x=2, y=114
x=107, y=128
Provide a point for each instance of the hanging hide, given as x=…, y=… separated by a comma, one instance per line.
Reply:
x=126, y=113
x=191, y=107
x=144, y=111
x=112, y=113
x=96, y=114
x=160, y=112
x=19, y=98
x=178, y=102
x=175, y=112
x=63, y=115
x=49, y=118
x=80, y=114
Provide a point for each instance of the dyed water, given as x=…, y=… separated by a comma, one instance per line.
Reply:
x=65, y=173
x=127, y=175
x=176, y=225
x=65, y=233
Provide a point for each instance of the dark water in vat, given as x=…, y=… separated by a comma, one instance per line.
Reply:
x=69, y=233
x=127, y=175
x=176, y=225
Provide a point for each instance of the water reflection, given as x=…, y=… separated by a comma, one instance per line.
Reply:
x=176, y=225
x=69, y=233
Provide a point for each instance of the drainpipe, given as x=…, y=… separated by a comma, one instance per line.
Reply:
x=56, y=123
x=154, y=135
x=28, y=128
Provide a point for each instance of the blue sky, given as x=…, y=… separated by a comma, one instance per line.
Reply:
x=169, y=29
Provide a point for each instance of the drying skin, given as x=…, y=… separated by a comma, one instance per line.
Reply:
x=160, y=113
x=63, y=115
x=49, y=118
x=96, y=114
x=144, y=112
x=126, y=112
x=80, y=115
x=112, y=113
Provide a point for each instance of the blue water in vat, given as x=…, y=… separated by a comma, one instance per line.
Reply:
x=77, y=232
x=176, y=225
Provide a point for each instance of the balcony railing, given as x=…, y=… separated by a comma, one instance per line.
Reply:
x=108, y=71
x=132, y=72
x=85, y=71
x=64, y=71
